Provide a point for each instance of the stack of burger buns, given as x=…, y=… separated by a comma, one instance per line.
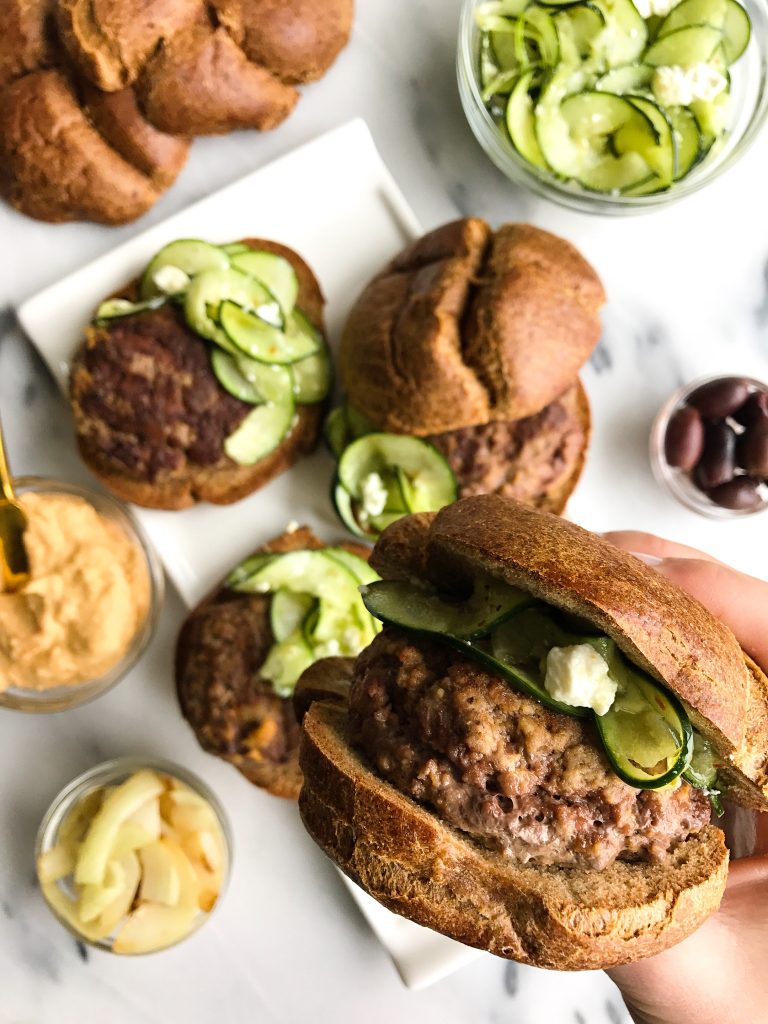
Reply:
x=99, y=98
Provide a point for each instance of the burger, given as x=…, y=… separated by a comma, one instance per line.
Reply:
x=460, y=364
x=535, y=750
x=241, y=650
x=204, y=378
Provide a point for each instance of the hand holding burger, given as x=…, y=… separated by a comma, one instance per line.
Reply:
x=533, y=742
x=717, y=976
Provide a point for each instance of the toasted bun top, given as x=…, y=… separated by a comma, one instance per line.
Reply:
x=468, y=325
x=659, y=627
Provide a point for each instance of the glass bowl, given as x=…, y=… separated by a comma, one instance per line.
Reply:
x=112, y=773
x=749, y=94
x=60, y=698
x=677, y=481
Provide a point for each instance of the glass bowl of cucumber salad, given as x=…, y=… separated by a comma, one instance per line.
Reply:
x=614, y=106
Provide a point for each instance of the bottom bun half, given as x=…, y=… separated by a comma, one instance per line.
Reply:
x=560, y=918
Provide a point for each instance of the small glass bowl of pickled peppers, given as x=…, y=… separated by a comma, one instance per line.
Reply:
x=709, y=446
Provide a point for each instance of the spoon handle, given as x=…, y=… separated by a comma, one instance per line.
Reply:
x=6, y=484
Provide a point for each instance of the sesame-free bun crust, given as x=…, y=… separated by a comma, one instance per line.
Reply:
x=467, y=326
x=412, y=863
x=178, y=67
x=222, y=482
x=659, y=627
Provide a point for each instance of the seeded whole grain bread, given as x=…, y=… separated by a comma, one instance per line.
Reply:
x=233, y=712
x=151, y=418
x=554, y=917
x=468, y=326
x=178, y=67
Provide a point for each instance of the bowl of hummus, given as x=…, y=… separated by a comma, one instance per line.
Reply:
x=91, y=603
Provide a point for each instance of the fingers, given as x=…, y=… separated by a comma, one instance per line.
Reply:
x=649, y=544
x=747, y=872
x=695, y=980
x=746, y=832
x=739, y=601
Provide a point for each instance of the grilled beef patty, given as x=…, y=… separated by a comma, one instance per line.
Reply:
x=233, y=712
x=501, y=767
x=529, y=460
x=145, y=397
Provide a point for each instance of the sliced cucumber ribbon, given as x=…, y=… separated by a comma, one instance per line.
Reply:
x=702, y=772
x=115, y=309
x=265, y=351
x=646, y=733
x=382, y=477
x=315, y=609
x=420, y=608
x=572, y=85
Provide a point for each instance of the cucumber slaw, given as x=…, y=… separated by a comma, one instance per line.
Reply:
x=316, y=609
x=607, y=47
x=646, y=733
x=381, y=477
x=264, y=350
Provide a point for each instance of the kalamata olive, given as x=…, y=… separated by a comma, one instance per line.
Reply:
x=719, y=398
x=752, y=450
x=717, y=464
x=684, y=439
x=754, y=410
x=740, y=493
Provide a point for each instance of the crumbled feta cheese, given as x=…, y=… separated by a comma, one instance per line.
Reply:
x=646, y=8
x=328, y=650
x=579, y=676
x=351, y=640
x=261, y=587
x=672, y=86
x=292, y=527
x=271, y=313
x=374, y=495
x=676, y=86
x=706, y=81
x=170, y=280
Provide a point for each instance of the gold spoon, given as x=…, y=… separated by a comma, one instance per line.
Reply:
x=13, y=523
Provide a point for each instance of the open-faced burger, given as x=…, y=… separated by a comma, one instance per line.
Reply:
x=536, y=743
x=241, y=651
x=206, y=377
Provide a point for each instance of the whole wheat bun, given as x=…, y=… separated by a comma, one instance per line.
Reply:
x=657, y=625
x=224, y=481
x=467, y=326
x=180, y=67
x=227, y=710
x=412, y=862
x=56, y=165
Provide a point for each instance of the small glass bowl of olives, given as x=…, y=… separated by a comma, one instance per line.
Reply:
x=709, y=446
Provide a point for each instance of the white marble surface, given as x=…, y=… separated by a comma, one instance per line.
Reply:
x=688, y=295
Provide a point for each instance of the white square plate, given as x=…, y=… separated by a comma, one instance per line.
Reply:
x=335, y=202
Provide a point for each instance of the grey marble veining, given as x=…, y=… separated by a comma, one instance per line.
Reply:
x=688, y=295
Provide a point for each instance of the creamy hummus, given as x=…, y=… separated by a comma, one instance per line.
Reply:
x=88, y=595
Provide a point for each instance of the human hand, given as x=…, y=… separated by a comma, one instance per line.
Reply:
x=719, y=974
